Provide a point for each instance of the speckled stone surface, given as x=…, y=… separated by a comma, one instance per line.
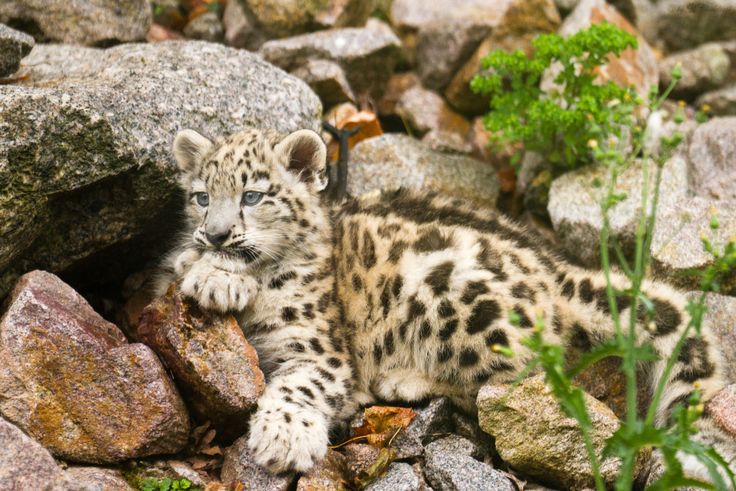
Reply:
x=366, y=54
x=69, y=379
x=394, y=160
x=24, y=464
x=448, y=470
x=711, y=154
x=574, y=206
x=14, y=45
x=89, y=22
x=238, y=465
x=676, y=244
x=398, y=477
x=94, y=479
x=87, y=116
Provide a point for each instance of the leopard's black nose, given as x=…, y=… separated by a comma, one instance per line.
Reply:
x=217, y=239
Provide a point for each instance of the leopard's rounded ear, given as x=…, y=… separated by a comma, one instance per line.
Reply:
x=190, y=148
x=304, y=153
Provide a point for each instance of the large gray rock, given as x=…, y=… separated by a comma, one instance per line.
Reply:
x=238, y=465
x=327, y=80
x=682, y=24
x=393, y=160
x=14, y=45
x=366, y=54
x=677, y=248
x=722, y=102
x=70, y=379
x=535, y=437
x=24, y=463
x=449, y=466
x=575, y=211
x=89, y=22
x=85, y=144
x=703, y=68
x=711, y=154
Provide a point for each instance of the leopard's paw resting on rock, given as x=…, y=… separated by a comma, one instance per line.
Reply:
x=216, y=289
x=285, y=437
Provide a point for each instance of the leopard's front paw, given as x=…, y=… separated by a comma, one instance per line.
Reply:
x=216, y=289
x=286, y=438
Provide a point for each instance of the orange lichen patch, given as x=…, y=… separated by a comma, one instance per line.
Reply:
x=632, y=67
x=87, y=395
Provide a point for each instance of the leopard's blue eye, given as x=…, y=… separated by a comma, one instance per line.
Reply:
x=203, y=199
x=252, y=198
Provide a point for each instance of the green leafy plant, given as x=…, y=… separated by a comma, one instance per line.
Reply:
x=558, y=123
x=585, y=123
x=167, y=484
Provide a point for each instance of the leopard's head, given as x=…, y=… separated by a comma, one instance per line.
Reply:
x=253, y=196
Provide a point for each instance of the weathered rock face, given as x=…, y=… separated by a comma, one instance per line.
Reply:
x=429, y=115
x=327, y=80
x=443, y=46
x=682, y=24
x=366, y=54
x=69, y=379
x=282, y=18
x=634, y=67
x=517, y=22
x=239, y=466
x=574, y=206
x=241, y=30
x=14, y=45
x=90, y=22
x=85, y=143
x=711, y=155
x=722, y=102
x=703, y=68
x=206, y=27
x=534, y=436
x=24, y=464
x=391, y=160
x=677, y=247
x=211, y=360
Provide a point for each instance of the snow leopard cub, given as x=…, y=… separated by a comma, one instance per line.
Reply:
x=400, y=296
